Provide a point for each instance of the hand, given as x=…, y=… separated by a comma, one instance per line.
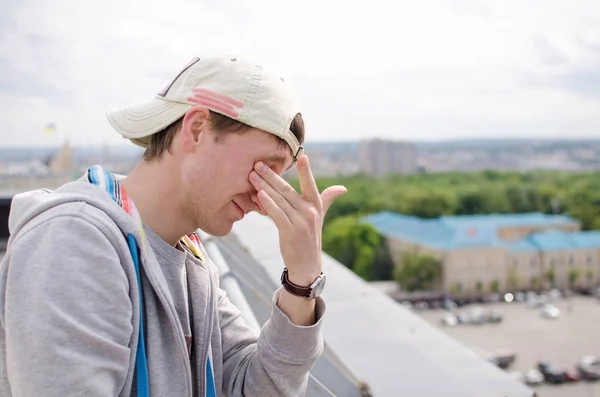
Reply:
x=299, y=218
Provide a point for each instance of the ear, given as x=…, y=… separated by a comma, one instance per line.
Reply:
x=195, y=122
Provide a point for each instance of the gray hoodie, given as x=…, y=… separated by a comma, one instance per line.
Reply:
x=69, y=313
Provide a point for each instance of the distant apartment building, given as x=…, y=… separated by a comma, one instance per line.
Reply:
x=498, y=253
x=324, y=165
x=379, y=157
x=62, y=162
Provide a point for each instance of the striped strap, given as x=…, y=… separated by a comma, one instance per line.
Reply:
x=97, y=176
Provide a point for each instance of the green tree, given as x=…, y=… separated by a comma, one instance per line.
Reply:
x=429, y=205
x=513, y=278
x=337, y=242
x=456, y=288
x=352, y=243
x=548, y=201
x=573, y=277
x=383, y=263
x=518, y=199
x=583, y=202
x=483, y=201
x=492, y=175
x=363, y=263
x=470, y=203
x=479, y=287
x=589, y=275
x=431, y=195
x=551, y=276
x=418, y=272
x=495, y=286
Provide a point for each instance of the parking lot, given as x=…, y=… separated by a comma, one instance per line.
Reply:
x=563, y=340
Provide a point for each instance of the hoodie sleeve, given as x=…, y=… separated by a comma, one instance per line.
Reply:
x=274, y=363
x=66, y=313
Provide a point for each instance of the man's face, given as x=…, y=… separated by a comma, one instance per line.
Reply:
x=217, y=190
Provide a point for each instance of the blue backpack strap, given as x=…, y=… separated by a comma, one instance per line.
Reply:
x=141, y=363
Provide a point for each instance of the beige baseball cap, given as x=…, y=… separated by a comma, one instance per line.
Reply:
x=239, y=88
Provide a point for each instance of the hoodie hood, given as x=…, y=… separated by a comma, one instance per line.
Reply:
x=22, y=205
x=92, y=204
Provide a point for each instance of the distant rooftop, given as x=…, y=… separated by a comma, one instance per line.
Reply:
x=558, y=240
x=531, y=219
x=463, y=231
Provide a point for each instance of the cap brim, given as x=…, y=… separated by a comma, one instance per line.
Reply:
x=140, y=121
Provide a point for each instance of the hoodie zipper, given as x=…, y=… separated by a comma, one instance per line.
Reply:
x=174, y=324
x=193, y=244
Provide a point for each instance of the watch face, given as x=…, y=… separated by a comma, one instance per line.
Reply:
x=318, y=286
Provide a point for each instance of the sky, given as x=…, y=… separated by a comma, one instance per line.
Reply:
x=405, y=69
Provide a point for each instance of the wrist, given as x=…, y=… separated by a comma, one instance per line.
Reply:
x=303, y=278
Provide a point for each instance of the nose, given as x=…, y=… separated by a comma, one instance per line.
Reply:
x=256, y=204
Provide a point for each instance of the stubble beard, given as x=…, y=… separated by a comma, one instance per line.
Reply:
x=205, y=217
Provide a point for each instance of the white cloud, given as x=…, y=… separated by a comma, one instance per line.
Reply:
x=413, y=69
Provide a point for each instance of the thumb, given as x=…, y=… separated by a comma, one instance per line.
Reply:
x=330, y=194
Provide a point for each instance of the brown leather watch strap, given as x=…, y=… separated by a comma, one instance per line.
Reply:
x=294, y=289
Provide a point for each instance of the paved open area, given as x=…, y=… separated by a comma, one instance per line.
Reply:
x=563, y=340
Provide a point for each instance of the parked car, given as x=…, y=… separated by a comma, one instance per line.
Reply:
x=533, y=377
x=449, y=319
x=572, y=375
x=503, y=358
x=589, y=368
x=477, y=316
x=449, y=304
x=464, y=318
x=555, y=294
x=494, y=317
x=550, y=311
x=436, y=305
x=493, y=298
x=534, y=301
x=552, y=373
x=520, y=297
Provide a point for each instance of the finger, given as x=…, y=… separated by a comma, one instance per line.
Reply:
x=261, y=209
x=278, y=184
x=308, y=186
x=330, y=194
x=261, y=185
x=273, y=210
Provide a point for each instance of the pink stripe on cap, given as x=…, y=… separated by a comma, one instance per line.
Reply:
x=203, y=92
x=216, y=105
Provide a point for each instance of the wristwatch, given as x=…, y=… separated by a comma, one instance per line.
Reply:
x=311, y=292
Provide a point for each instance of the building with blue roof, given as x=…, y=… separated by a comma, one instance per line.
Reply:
x=500, y=252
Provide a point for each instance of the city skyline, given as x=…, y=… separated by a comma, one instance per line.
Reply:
x=371, y=157
x=416, y=70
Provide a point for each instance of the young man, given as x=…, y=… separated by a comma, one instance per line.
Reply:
x=74, y=321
